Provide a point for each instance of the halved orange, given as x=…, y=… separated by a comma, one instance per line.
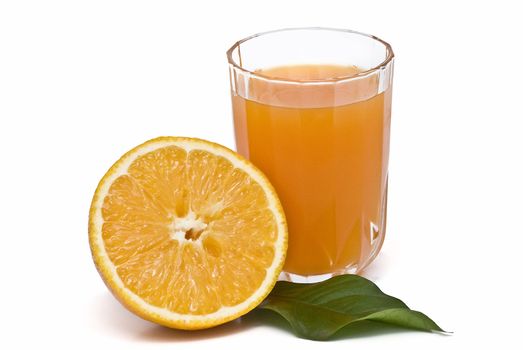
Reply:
x=186, y=233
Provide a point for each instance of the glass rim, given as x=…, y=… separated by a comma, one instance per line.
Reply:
x=382, y=65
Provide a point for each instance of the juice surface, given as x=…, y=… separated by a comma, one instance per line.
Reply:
x=327, y=160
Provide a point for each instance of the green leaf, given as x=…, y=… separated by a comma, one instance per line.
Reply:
x=318, y=310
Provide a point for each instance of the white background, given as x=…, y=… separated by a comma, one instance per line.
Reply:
x=81, y=82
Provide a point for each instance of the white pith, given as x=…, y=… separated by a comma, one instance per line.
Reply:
x=179, y=228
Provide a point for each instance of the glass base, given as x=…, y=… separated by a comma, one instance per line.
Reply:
x=356, y=268
x=292, y=277
x=351, y=269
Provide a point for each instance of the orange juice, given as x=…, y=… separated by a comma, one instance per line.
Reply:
x=327, y=158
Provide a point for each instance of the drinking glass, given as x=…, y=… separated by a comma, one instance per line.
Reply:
x=312, y=109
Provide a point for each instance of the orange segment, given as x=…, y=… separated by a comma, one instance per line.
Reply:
x=187, y=233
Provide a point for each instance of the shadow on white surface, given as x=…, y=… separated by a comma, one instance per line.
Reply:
x=112, y=318
x=377, y=268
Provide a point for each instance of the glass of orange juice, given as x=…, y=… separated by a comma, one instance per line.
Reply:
x=312, y=110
